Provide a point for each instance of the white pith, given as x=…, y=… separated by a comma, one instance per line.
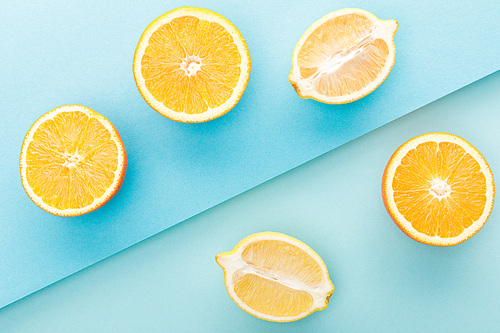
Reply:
x=383, y=29
x=439, y=189
x=232, y=262
x=202, y=14
x=191, y=65
x=439, y=137
x=72, y=161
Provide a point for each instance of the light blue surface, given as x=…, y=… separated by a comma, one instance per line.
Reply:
x=62, y=52
x=385, y=282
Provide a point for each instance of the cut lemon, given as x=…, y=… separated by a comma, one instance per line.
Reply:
x=275, y=277
x=72, y=161
x=191, y=65
x=438, y=189
x=343, y=56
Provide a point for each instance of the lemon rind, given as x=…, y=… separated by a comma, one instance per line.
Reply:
x=294, y=77
x=321, y=298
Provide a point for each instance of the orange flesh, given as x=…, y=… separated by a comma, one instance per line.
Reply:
x=279, y=267
x=341, y=56
x=191, y=65
x=458, y=208
x=71, y=161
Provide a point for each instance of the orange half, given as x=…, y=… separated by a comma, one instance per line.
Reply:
x=191, y=65
x=72, y=161
x=438, y=189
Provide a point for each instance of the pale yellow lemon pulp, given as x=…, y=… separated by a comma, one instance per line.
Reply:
x=276, y=277
x=343, y=56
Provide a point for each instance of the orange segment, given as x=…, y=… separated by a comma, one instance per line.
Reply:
x=72, y=161
x=191, y=65
x=275, y=277
x=343, y=56
x=438, y=189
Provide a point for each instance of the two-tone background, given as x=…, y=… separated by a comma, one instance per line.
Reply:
x=58, y=53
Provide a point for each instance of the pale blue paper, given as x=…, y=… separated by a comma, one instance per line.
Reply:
x=61, y=52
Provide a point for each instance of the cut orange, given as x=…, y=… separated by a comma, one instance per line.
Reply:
x=343, y=56
x=72, y=161
x=276, y=277
x=438, y=189
x=191, y=65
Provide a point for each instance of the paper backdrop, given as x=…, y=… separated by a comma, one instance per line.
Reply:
x=61, y=52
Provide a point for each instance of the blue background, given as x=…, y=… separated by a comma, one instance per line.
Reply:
x=384, y=281
x=56, y=53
